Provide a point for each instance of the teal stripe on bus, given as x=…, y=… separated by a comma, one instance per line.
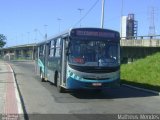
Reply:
x=40, y=63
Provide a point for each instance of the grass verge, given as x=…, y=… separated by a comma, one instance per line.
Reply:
x=143, y=73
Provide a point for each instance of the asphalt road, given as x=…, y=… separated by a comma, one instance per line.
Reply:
x=42, y=97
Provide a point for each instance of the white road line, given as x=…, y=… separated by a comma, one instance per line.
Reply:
x=142, y=89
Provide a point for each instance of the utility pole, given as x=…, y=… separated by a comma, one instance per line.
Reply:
x=102, y=16
x=121, y=17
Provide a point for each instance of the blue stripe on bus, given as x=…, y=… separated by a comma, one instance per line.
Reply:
x=76, y=77
x=91, y=81
x=76, y=82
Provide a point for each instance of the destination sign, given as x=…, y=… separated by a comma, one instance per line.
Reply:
x=94, y=33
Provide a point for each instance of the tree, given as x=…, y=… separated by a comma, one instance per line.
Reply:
x=2, y=40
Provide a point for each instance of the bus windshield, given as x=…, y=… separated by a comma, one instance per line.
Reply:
x=94, y=53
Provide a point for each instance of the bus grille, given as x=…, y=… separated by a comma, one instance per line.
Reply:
x=97, y=78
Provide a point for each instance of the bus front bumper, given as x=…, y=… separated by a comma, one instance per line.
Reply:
x=91, y=84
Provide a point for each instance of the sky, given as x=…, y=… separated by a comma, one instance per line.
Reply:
x=27, y=21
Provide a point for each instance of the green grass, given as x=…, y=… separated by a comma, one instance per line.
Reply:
x=143, y=72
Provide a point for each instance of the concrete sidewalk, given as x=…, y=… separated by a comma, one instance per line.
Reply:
x=10, y=104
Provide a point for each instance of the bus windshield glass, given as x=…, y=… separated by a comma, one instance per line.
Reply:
x=94, y=53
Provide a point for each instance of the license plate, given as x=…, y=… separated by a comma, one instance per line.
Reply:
x=96, y=84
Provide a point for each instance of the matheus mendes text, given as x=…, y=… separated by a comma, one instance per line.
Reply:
x=138, y=117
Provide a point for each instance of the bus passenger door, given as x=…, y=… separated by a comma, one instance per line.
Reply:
x=63, y=62
x=46, y=60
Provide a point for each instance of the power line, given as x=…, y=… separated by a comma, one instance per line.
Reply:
x=87, y=13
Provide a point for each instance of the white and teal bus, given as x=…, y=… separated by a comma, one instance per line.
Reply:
x=81, y=58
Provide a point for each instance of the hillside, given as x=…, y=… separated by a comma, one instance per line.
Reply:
x=143, y=72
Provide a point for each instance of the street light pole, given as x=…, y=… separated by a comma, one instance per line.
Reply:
x=102, y=16
x=28, y=36
x=80, y=10
x=45, y=36
x=35, y=39
x=59, y=20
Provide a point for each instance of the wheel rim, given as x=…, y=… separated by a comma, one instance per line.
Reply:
x=41, y=76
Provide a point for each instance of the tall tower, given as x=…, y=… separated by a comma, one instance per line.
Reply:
x=123, y=27
x=152, y=24
x=129, y=27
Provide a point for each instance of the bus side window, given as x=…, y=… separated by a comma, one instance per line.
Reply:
x=41, y=50
x=52, y=48
x=49, y=46
x=58, y=47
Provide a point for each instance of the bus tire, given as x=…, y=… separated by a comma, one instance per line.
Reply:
x=41, y=75
x=55, y=78
x=59, y=88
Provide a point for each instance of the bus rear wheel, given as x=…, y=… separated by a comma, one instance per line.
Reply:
x=41, y=75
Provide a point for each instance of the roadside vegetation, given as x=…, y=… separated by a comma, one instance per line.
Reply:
x=143, y=73
x=2, y=40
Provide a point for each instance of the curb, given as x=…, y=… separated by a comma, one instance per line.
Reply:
x=142, y=89
x=19, y=104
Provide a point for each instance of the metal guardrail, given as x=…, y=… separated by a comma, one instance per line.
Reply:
x=141, y=43
x=141, y=37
